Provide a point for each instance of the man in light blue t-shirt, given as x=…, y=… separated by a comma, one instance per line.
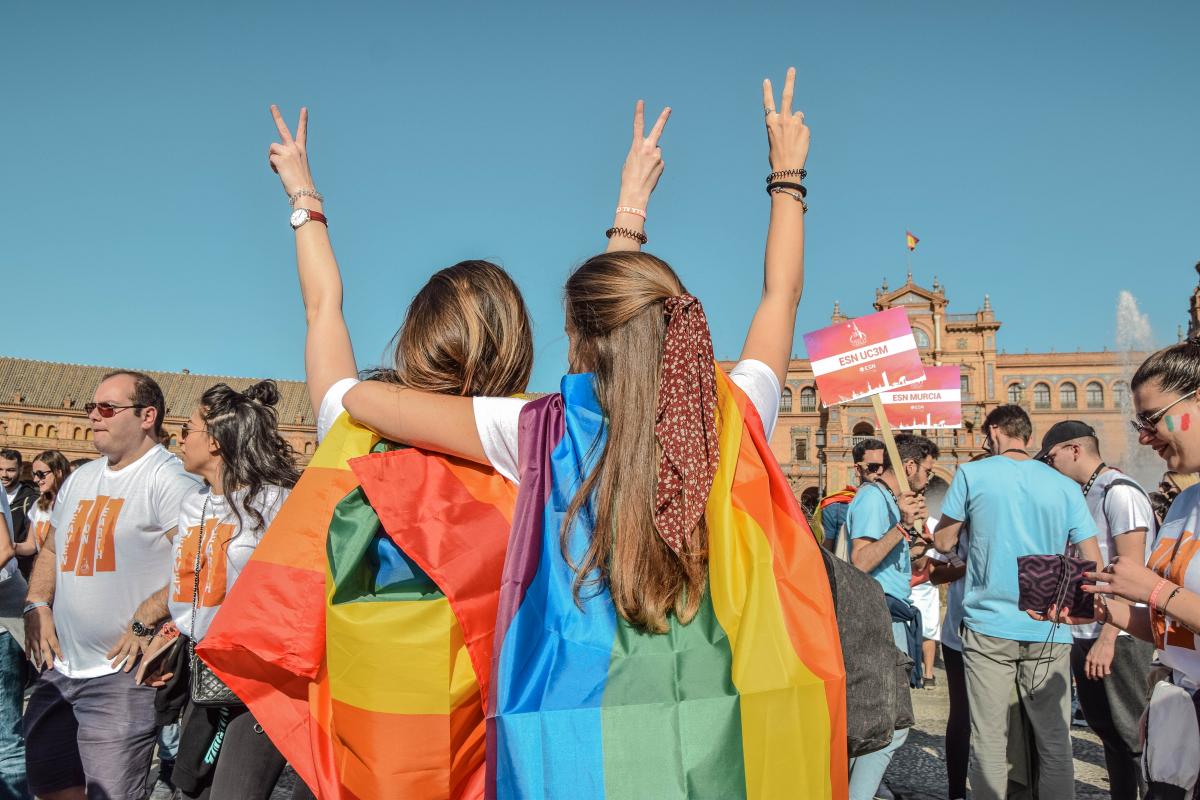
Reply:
x=879, y=522
x=1016, y=507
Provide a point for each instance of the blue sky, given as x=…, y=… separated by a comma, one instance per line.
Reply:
x=1046, y=153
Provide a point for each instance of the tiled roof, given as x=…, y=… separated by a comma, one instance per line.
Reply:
x=49, y=384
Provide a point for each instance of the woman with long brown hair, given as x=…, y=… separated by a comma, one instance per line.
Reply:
x=630, y=520
x=50, y=469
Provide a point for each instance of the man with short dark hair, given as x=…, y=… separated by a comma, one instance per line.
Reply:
x=1110, y=666
x=880, y=522
x=1016, y=506
x=21, y=497
x=88, y=725
x=831, y=511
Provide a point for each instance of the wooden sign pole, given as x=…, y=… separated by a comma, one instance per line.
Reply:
x=889, y=441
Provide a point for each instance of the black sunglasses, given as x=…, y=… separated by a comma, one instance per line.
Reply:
x=39, y=474
x=871, y=469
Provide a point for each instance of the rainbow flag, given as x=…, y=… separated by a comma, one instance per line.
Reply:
x=337, y=636
x=910, y=240
x=746, y=701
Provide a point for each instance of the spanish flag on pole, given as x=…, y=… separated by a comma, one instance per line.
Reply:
x=911, y=240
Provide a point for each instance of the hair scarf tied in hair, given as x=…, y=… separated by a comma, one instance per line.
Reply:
x=685, y=423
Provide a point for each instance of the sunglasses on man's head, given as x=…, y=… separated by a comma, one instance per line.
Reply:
x=106, y=410
x=39, y=474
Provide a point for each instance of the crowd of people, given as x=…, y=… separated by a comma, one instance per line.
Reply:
x=115, y=568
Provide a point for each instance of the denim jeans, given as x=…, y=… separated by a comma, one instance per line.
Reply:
x=12, y=742
x=866, y=772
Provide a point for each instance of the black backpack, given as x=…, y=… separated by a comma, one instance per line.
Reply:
x=878, y=701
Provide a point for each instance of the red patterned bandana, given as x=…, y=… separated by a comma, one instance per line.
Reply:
x=685, y=424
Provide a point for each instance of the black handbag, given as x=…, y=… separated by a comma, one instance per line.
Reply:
x=206, y=688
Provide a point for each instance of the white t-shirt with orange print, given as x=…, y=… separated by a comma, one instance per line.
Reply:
x=1175, y=548
x=110, y=531
x=227, y=544
x=39, y=524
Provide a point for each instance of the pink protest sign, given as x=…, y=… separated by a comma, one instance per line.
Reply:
x=935, y=402
x=864, y=356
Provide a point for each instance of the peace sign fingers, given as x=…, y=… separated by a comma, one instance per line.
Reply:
x=284, y=134
x=287, y=157
x=644, y=164
x=787, y=135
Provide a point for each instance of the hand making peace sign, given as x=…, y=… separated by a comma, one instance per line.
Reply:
x=288, y=157
x=786, y=132
x=644, y=164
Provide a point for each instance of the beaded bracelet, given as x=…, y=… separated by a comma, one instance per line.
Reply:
x=313, y=193
x=792, y=195
x=797, y=187
x=785, y=173
x=637, y=212
x=628, y=233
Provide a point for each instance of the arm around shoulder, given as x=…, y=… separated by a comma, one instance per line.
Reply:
x=439, y=422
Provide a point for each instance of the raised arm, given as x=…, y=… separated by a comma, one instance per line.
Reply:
x=774, y=326
x=639, y=176
x=328, y=355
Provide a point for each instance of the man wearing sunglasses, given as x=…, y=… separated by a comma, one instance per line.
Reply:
x=880, y=522
x=106, y=558
x=1109, y=665
x=831, y=511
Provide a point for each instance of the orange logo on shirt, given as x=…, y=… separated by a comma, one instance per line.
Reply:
x=41, y=529
x=91, y=539
x=212, y=564
x=1174, y=570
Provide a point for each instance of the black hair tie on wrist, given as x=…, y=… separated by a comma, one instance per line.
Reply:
x=796, y=187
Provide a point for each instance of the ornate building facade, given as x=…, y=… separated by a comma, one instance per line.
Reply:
x=814, y=444
x=41, y=407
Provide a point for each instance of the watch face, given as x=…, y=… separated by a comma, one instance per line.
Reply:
x=299, y=217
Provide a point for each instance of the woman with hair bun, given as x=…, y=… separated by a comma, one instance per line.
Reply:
x=231, y=441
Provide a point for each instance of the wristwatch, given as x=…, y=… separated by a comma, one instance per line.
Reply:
x=303, y=215
x=140, y=630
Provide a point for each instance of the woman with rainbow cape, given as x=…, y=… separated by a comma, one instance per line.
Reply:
x=367, y=677
x=665, y=623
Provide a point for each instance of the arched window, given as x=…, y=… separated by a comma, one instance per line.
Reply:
x=808, y=399
x=52, y=432
x=1066, y=395
x=77, y=433
x=27, y=430
x=1041, y=396
x=39, y=431
x=1015, y=395
x=863, y=428
x=801, y=448
x=174, y=442
x=87, y=434
x=1121, y=394
x=922, y=337
x=785, y=401
x=1095, y=395
x=308, y=448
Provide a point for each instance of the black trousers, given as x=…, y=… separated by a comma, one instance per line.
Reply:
x=224, y=755
x=1113, y=706
x=958, y=724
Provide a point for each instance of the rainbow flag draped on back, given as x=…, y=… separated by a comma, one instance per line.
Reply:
x=366, y=676
x=746, y=701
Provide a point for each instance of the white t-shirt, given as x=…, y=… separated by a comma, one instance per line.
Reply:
x=331, y=405
x=954, y=590
x=39, y=524
x=498, y=418
x=1123, y=509
x=109, y=534
x=1181, y=527
x=228, y=545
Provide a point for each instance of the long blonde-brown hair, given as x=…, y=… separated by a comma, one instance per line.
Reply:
x=467, y=332
x=614, y=309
